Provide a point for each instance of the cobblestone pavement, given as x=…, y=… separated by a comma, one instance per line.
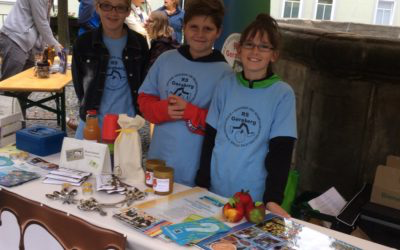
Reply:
x=72, y=112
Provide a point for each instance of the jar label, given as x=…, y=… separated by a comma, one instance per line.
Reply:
x=90, y=140
x=149, y=178
x=161, y=185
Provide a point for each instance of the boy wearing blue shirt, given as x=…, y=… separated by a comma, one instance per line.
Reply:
x=178, y=88
x=108, y=64
x=251, y=124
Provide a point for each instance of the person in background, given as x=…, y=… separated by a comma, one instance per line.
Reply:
x=108, y=64
x=178, y=88
x=175, y=17
x=26, y=31
x=251, y=124
x=160, y=34
x=88, y=19
x=140, y=11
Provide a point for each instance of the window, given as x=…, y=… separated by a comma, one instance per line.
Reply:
x=384, y=12
x=324, y=10
x=291, y=9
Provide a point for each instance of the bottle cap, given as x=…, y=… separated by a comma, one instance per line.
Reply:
x=91, y=112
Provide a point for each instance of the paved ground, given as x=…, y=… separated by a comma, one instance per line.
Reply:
x=72, y=112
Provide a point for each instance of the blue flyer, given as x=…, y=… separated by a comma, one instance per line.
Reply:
x=187, y=232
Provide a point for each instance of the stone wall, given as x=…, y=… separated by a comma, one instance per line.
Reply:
x=348, y=100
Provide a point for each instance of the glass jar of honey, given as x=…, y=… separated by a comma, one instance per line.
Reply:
x=163, y=180
x=149, y=173
x=43, y=70
x=91, y=131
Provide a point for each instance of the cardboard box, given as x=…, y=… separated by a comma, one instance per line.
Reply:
x=10, y=129
x=10, y=118
x=9, y=105
x=7, y=140
x=393, y=161
x=386, y=187
x=10, y=111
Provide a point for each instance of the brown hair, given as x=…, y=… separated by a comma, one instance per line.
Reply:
x=128, y=2
x=210, y=8
x=264, y=24
x=158, y=26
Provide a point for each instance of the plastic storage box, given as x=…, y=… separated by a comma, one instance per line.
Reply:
x=40, y=140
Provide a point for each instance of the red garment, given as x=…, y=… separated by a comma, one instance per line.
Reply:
x=153, y=109
x=195, y=118
x=156, y=111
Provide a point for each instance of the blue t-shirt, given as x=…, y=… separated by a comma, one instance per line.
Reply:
x=117, y=97
x=194, y=81
x=246, y=119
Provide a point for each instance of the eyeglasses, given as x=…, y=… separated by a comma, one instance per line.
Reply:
x=260, y=47
x=119, y=8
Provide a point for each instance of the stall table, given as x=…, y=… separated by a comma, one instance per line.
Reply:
x=26, y=81
x=36, y=191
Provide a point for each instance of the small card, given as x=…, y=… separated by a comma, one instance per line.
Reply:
x=142, y=221
x=85, y=156
x=43, y=164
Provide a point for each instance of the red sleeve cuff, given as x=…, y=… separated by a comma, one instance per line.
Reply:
x=195, y=118
x=153, y=109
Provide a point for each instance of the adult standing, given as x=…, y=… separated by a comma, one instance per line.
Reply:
x=175, y=17
x=140, y=11
x=88, y=19
x=25, y=32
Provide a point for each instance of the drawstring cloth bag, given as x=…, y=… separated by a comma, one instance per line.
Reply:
x=128, y=149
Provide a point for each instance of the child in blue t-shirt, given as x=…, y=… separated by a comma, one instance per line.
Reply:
x=178, y=89
x=251, y=124
x=109, y=64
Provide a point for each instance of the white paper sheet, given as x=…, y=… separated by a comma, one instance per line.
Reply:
x=330, y=202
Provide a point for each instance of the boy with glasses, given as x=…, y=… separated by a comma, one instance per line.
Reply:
x=108, y=64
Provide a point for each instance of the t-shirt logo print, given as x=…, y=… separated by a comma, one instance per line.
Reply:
x=182, y=85
x=242, y=126
x=116, y=74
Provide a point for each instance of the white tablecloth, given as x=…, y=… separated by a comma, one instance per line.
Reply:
x=35, y=190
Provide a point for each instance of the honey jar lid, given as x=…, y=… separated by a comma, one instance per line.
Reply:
x=152, y=163
x=163, y=169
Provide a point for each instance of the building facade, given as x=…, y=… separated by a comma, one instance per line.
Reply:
x=379, y=12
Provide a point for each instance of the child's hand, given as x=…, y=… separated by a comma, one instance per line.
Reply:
x=276, y=209
x=176, y=107
x=177, y=101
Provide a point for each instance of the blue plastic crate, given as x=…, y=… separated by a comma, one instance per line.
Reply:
x=40, y=140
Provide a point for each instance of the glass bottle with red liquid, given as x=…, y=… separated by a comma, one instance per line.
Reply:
x=91, y=131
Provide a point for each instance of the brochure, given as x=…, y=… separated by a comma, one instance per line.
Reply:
x=188, y=232
x=141, y=221
x=11, y=176
x=39, y=162
x=66, y=175
x=177, y=207
x=274, y=233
